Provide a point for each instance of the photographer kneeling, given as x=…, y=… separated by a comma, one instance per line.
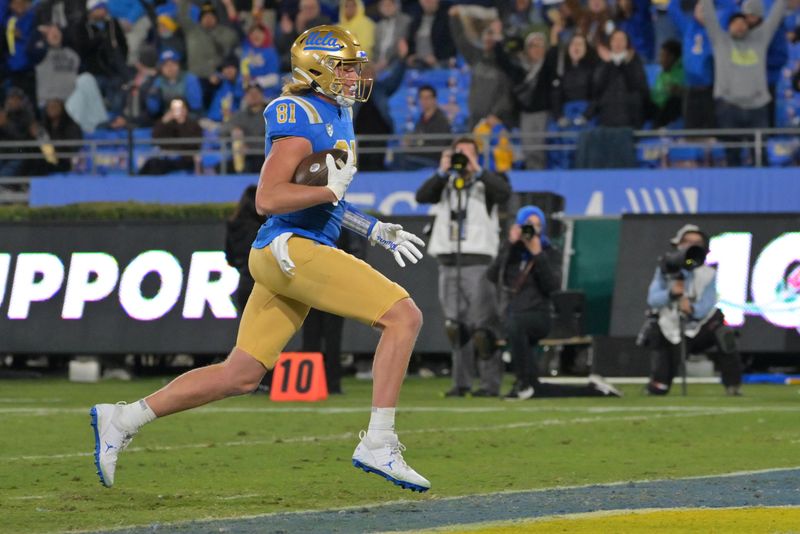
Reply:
x=684, y=289
x=527, y=270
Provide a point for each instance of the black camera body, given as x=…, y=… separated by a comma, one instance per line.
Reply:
x=675, y=261
x=459, y=163
x=528, y=232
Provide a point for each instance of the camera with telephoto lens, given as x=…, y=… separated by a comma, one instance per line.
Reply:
x=528, y=232
x=675, y=261
x=458, y=163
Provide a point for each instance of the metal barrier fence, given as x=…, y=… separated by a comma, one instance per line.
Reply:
x=218, y=155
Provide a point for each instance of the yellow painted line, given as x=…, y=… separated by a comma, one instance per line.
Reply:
x=773, y=519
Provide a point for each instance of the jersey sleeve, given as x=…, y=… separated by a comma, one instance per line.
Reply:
x=290, y=116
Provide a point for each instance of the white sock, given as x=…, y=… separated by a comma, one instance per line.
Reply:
x=134, y=416
x=381, y=425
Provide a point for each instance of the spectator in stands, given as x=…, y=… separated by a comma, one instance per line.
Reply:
x=373, y=116
x=532, y=73
x=635, y=17
x=17, y=123
x=565, y=21
x=520, y=18
x=19, y=28
x=167, y=34
x=260, y=63
x=208, y=43
x=134, y=23
x=698, y=64
x=597, y=23
x=58, y=126
x=429, y=41
x=467, y=298
x=145, y=73
x=172, y=83
x=100, y=41
x=175, y=124
x=668, y=89
x=778, y=51
x=56, y=65
x=527, y=271
x=246, y=128
x=389, y=31
x=228, y=91
x=572, y=83
x=432, y=120
x=619, y=87
x=490, y=87
x=740, y=70
x=353, y=19
x=307, y=16
x=498, y=156
x=691, y=294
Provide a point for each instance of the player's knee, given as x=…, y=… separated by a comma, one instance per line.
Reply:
x=404, y=314
x=244, y=385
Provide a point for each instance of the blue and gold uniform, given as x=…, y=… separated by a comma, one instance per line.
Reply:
x=326, y=278
x=326, y=126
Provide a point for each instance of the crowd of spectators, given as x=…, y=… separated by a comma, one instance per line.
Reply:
x=535, y=65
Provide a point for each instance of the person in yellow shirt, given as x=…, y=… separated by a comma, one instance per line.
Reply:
x=353, y=18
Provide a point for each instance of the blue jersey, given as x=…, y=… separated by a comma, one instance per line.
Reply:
x=326, y=126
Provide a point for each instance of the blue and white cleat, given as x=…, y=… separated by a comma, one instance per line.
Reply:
x=386, y=460
x=109, y=440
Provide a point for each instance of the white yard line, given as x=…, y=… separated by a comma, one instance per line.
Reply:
x=532, y=407
x=351, y=435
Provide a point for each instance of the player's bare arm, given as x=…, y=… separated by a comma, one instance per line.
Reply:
x=276, y=193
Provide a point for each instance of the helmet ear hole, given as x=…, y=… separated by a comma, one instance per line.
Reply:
x=315, y=72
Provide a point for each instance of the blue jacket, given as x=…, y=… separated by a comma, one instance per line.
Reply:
x=698, y=58
x=658, y=294
x=778, y=51
x=26, y=24
x=232, y=92
x=640, y=29
x=130, y=10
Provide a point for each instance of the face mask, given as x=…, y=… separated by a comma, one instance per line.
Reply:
x=618, y=57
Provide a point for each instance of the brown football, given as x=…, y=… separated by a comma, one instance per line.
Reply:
x=313, y=170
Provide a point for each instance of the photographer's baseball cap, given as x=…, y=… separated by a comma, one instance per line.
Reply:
x=685, y=229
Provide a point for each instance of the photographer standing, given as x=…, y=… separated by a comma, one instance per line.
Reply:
x=527, y=270
x=680, y=290
x=466, y=199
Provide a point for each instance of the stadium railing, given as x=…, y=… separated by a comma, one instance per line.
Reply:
x=125, y=151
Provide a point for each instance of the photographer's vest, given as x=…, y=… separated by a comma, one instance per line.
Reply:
x=668, y=316
x=481, y=228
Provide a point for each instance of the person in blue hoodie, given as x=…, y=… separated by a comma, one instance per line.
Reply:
x=229, y=91
x=260, y=61
x=698, y=60
x=18, y=29
x=635, y=17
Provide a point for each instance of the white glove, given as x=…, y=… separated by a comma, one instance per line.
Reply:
x=280, y=250
x=339, y=179
x=400, y=243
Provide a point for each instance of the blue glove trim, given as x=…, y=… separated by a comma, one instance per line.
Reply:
x=357, y=221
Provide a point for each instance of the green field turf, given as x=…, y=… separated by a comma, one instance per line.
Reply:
x=248, y=456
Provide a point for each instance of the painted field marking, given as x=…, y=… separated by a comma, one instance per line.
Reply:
x=510, y=407
x=351, y=435
x=579, y=516
x=387, y=504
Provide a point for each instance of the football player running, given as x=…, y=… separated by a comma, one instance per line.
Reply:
x=296, y=266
